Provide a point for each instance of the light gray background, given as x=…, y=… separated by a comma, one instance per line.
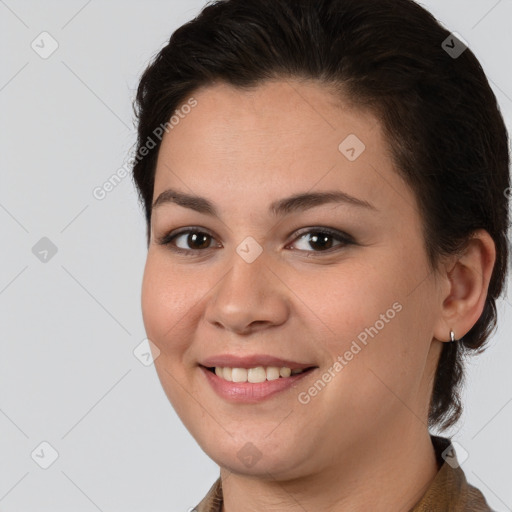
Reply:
x=68, y=375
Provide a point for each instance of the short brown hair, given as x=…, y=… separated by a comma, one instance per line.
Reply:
x=440, y=116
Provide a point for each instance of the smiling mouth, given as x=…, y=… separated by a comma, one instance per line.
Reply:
x=257, y=374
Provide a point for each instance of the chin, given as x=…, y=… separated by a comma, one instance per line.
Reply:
x=260, y=457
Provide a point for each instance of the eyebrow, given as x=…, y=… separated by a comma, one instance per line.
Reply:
x=297, y=202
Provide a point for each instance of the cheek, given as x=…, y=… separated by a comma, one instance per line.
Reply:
x=376, y=324
x=350, y=298
x=167, y=301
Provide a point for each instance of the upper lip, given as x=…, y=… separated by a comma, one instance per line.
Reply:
x=252, y=361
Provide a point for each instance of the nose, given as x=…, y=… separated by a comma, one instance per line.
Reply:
x=250, y=297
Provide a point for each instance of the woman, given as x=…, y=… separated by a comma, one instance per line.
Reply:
x=324, y=184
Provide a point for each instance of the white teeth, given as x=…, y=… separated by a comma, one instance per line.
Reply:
x=254, y=375
x=272, y=373
x=285, y=372
x=257, y=374
x=239, y=375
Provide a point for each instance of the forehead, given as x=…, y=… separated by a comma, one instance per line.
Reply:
x=273, y=114
x=282, y=136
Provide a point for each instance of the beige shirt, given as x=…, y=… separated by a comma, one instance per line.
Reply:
x=448, y=492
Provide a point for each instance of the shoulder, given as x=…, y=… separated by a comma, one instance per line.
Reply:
x=212, y=502
x=450, y=489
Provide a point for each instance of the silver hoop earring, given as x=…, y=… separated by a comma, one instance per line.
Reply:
x=452, y=336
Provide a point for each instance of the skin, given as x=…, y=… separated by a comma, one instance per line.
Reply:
x=361, y=443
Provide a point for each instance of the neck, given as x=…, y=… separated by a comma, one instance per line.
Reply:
x=391, y=473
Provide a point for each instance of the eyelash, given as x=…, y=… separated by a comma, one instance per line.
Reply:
x=344, y=238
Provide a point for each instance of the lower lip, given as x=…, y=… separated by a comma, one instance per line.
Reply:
x=247, y=392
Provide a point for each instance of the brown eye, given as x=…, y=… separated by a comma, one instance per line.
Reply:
x=196, y=240
x=188, y=241
x=318, y=240
x=322, y=240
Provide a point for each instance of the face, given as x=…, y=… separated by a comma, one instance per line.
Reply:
x=335, y=283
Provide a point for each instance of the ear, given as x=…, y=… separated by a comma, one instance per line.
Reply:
x=465, y=279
